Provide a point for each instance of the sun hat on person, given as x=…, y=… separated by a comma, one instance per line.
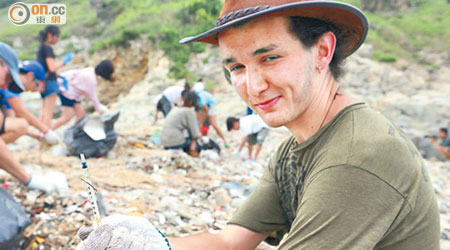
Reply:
x=348, y=19
x=33, y=66
x=9, y=56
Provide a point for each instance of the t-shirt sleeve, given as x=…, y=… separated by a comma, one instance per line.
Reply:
x=11, y=94
x=446, y=142
x=344, y=207
x=262, y=211
x=47, y=51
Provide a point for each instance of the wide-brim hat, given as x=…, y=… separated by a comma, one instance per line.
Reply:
x=350, y=20
x=9, y=56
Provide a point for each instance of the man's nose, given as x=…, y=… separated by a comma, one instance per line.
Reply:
x=256, y=82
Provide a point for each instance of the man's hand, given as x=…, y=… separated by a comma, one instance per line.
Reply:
x=49, y=137
x=49, y=182
x=122, y=232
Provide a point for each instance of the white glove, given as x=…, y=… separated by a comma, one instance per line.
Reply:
x=122, y=232
x=51, y=181
x=49, y=137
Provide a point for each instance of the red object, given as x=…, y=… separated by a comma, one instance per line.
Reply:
x=204, y=130
x=36, y=210
x=5, y=185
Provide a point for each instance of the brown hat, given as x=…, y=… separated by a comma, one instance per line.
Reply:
x=348, y=19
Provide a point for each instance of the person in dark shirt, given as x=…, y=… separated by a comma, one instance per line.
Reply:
x=49, y=36
x=444, y=146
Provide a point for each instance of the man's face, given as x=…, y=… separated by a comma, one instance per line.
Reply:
x=5, y=76
x=235, y=126
x=53, y=39
x=441, y=134
x=29, y=82
x=270, y=69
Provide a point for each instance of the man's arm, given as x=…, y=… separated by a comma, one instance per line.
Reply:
x=244, y=140
x=10, y=164
x=444, y=150
x=231, y=237
x=155, y=118
x=20, y=110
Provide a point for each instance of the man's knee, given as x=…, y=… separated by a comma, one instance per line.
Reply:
x=21, y=126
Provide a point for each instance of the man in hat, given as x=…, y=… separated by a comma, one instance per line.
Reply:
x=347, y=178
x=9, y=74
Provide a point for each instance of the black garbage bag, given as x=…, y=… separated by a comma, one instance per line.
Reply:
x=78, y=141
x=14, y=220
x=207, y=144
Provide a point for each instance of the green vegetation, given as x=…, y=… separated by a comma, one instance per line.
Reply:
x=403, y=34
x=115, y=22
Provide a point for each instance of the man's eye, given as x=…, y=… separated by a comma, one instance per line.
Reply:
x=270, y=58
x=236, y=67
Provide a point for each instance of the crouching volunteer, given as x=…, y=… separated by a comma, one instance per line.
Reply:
x=76, y=84
x=9, y=74
x=32, y=75
x=180, y=129
x=253, y=130
x=347, y=178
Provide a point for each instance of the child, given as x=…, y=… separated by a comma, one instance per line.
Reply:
x=253, y=130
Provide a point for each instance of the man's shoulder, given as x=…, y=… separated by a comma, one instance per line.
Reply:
x=446, y=142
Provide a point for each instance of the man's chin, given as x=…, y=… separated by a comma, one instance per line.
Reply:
x=273, y=122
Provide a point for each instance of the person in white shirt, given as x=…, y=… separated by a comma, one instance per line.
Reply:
x=253, y=130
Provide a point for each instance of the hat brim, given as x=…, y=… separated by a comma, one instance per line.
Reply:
x=350, y=20
x=16, y=79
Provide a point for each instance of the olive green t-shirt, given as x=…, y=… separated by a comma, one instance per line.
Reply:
x=358, y=183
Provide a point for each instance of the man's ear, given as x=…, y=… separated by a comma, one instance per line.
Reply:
x=325, y=47
x=30, y=75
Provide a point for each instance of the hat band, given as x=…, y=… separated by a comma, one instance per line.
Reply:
x=241, y=13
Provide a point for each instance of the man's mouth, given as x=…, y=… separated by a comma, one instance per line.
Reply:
x=268, y=104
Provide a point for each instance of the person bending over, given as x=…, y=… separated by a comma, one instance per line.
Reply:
x=77, y=83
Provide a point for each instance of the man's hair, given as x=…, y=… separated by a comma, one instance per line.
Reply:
x=444, y=130
x=190, y=97
x=308, y=30
x=230, y=121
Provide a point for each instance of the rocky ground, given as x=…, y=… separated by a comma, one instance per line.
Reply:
x=183, y=195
